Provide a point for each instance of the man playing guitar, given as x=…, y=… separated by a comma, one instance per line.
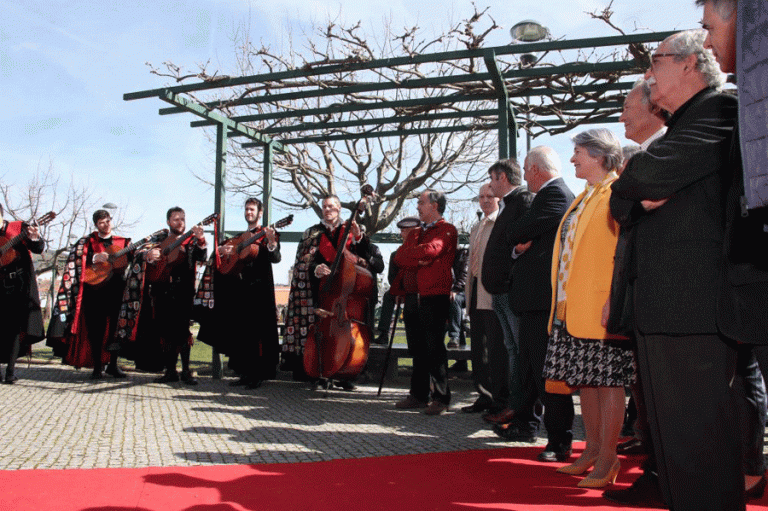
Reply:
x=19, y=299
x=243, y=323
x=85, y=314
x=171, y=298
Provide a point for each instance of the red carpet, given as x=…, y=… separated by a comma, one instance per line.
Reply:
x=499, y=479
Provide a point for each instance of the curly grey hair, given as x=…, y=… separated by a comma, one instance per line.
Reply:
x=691, y=42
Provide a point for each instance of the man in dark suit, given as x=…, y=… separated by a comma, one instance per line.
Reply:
x=514, y=201
x=672, y=193
x=743, y=299
x=533, y=239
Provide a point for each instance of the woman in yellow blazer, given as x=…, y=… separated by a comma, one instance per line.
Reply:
x=581, y=352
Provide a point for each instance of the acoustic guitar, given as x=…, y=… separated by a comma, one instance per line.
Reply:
x=8, y=252
x=170, y=253
x=246, y=248
x=96, y=274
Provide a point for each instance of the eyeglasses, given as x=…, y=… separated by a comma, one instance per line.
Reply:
x=656, y=56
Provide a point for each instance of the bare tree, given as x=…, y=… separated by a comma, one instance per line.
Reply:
x=73, y=204
x=397, y=166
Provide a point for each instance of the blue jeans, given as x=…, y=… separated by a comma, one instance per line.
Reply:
x=510, y=326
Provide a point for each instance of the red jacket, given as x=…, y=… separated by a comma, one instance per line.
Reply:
x=430, y=254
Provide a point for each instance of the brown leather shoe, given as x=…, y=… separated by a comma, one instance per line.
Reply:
x=436, y=408
x=409, y=403
x=503, y=417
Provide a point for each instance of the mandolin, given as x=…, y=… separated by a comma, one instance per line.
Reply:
x=8, y=252
x=96, y=274
x=170, y=253
x=245, y=247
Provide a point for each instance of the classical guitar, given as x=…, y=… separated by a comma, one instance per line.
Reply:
x=170, y=253
x=245, y=247
x=8, y=252
x=98, y=273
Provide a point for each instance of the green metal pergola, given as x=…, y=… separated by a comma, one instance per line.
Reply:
x=491, y=86
x=494, y=89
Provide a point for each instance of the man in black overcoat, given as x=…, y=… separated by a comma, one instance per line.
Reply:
x=672, y=193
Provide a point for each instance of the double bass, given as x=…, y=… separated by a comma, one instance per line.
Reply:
x=337, y=344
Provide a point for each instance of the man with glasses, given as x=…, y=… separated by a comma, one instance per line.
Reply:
x=671, y=193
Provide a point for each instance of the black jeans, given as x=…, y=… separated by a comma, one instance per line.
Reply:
x=425, y=319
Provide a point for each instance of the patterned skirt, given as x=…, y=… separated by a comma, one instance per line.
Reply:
x=588, y=363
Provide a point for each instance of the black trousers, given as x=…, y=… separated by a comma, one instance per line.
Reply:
x=692, y=418
x=425, y=319
x=558, y=408
x=490, y=361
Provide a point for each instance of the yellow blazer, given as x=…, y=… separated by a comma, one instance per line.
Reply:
x=591, y=271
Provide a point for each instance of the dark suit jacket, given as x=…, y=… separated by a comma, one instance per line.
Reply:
x=743, y=302
x=496, y=272
x=531, y=288
x=678, y=246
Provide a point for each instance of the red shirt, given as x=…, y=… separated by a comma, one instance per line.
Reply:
x=429, y=253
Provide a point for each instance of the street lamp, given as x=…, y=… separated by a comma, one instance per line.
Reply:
x=528, y=31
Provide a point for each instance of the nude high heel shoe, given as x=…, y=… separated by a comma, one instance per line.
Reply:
x=610, y=478
x=578, y=467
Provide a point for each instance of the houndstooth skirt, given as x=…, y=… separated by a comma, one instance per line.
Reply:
x=587, y=363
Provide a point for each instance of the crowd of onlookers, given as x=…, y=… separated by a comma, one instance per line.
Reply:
x=653, y=278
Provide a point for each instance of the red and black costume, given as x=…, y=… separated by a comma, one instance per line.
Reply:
x=425, y=279
x=154, y=317
x=240, y=318
x=19, y=300
x=85, y=316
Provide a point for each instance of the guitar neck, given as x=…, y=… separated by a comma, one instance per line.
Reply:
x=130, y=248
x=12, y=242
x=177, y=242
x=253, y=239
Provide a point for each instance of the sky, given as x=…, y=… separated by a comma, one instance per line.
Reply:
x=65, y=65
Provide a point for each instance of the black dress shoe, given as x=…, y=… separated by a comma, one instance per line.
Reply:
x=644, y=492
x=344, y=385
x=115, y=372
x=188, y=378
x=756, y=492
x=631, y=446
x=551, y=454
x=504, y=416
x=240, y=382
x=514, y=433
x=167, y=378
x=97, y=374
x=476, y=407
x=253, y=384
x=10, y=379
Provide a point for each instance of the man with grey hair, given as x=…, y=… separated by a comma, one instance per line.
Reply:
x=426, y=262
x=643, y=123
x=533, y=239
x=743, y=299
x=671, y=194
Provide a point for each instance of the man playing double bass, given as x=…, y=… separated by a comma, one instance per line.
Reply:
x=85, y=314
x=243, y=324
x=314, y=259
x=19, y=300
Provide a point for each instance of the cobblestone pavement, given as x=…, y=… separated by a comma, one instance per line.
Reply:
x=55, y=417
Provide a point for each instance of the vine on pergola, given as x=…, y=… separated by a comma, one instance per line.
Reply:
x=397, y=166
